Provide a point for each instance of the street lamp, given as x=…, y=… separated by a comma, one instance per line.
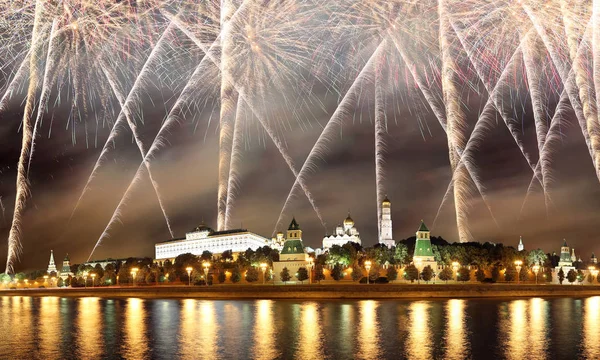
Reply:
x=117, y=280
x=167, y=277
x=134, y=273
x=189, y=271
x=418, y=266
x=593, y=271
x=206, y=265
x=368, y=268
x=263, y=267
x=27, y=282
x=518, y=265
x=45, y=279
x=53, y=281
x=310, y=265
x=93, y=275
x=535, y=269
x=455, y=266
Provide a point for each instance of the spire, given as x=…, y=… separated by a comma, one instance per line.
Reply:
x=294, y=225
x=51, y=257
x=565, y=242
x=423, y=227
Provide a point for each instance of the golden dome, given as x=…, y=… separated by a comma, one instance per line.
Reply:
x=348, y=221
x=386, y=201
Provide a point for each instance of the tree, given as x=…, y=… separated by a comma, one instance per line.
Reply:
x=480, y=275
x=580, y=276
x=374, y=272
x=285, y=275
x=536, y=257
x=339, y=255
x=206, y=256
x=427, y=273
x=4, y=277
x=150, y=278
x=561, y=275
x=572, y=276
x=60, y=282
x=319, y=274
x=222, y=277
x=464, y=274
x=227, y=256
x=99, y=271
x=590, y=278
x=357, y=273
x=236, y=275
x=411, y=273
x=495, y=273
x=20, y=276
x=337, y=272
x=401, y=254
x=446, y=274
x=68, y=280
x=510, y=274
x=392, y=273
x=302, y=274
x=252, y=274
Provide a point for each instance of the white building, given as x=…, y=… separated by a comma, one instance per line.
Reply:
x=51, y=265
x=292, y=256
x=342, y=235
x=385, y=226
x=203, y=238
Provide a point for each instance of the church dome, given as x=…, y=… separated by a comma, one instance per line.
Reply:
x=386, y=201
x=348, y=222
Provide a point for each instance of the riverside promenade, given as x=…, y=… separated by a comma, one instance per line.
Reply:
x=316, y=291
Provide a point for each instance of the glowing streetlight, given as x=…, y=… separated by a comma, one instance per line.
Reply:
x=93, y=275
x=206, y=265
x=45, y=279
x=134, y=273
x=189, y=271
x=518, y=265
x=167, y=277
x=117, y=280
x=455, y=266
x=418, y=266
x=85, y=276
x=310, y=265
x=536, y=269
x=27, y=282
x=594, y=272
x=368, y=268
x=263, y=267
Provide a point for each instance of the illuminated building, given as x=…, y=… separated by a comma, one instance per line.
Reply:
x=293, y=255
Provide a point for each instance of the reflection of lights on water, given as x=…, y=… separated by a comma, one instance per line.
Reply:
x=135, y=345
x=264, y=331
x=417, y=348
x=456, y=337
x=199, y=330
x=591, y=317
x=309, y=344
x=89, y=326
x=368, y=337
x=49, y=321
x=537, y=323
x=518, y=329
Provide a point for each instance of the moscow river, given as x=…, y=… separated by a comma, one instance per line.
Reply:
x=94, y=328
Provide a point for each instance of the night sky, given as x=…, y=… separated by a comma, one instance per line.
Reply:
x=417, y=168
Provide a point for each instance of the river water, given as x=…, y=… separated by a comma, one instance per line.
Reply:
x=93, y=328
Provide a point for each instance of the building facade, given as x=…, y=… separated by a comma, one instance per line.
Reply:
x=203, y=238
x=567, y=258
x=51, y=265
x=423, y=254
x=386, y=236
x=292, y=256
x=342, y=235
x=65, y=271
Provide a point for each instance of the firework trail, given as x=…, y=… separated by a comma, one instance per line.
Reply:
x=596, y=50
x=569, y=83
x=20, y=75
x=270, y=132
x=124, y=117
x=229, y=99
x=236, y=152
x=582, y=80
x=332, y=126
x=45, y=95
x=14, y=236
x=529, y=49
x=455, y=125
x=380, y=133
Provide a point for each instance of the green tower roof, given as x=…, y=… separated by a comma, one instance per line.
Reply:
x=423, y=227
x=294, y=225
x=423, y=247
x=293, y=247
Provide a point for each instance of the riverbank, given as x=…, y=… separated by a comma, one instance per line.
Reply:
x=329, y=291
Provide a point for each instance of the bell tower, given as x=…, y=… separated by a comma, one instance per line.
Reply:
x=385, y=224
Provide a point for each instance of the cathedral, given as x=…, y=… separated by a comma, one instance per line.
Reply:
x=342, y=235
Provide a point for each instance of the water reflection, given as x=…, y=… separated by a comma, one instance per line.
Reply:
x=264, y=331
x=49, y=323
x=524, y=329
x=591, y=342
x=309, y=345
x=199, y=330
x=368, y=330
x=456, y=333
x=89, y=325
x=136, y=344
x=417, y=345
